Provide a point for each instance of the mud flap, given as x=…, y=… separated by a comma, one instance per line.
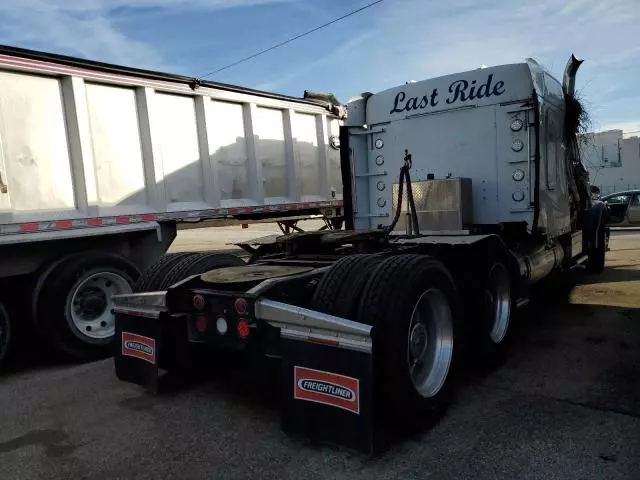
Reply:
x=327, y=395
x=138, y=344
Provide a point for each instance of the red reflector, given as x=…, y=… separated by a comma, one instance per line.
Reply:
x=243, y=328
x=241, y=306
x=63, y=224
x=29, y=227
x=201, y=323
x=324, y=341
x=198, y=302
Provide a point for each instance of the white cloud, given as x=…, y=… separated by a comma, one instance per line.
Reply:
x=333, y=56
x=628, y=128
x=419, y=39
x=396, y=41
x=86, y=28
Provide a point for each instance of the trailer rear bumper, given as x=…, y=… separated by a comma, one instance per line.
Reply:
x=326, y=379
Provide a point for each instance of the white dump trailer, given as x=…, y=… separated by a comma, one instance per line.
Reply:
x=99, y=163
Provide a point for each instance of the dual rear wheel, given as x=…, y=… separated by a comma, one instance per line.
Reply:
x=413, y=303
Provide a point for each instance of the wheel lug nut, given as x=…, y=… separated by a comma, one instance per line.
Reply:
x=88, y=328
x=103, y=323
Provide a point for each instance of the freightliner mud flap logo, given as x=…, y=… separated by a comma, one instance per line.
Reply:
x=138, y=346
x=327, y=388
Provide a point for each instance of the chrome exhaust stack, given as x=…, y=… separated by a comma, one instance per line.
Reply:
x=569, y=78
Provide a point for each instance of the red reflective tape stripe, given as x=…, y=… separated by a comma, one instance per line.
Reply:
x=29, y=227
x=151, y=217
x=63, y=224
x=324, y=341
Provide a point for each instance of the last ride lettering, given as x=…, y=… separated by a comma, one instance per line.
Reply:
x=459, y=91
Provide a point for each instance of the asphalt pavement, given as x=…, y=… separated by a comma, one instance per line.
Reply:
x=565, y=405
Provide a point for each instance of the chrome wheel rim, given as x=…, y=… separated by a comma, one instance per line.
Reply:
x=498, y=303
x=430, y=342
x=90, y=307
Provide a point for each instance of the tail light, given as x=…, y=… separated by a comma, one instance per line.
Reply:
x=201, y=323
x=221, y=325
x=242, y=328
x=198, y=301
x=240, y=306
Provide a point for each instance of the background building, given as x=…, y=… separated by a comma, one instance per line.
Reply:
x=612, y=159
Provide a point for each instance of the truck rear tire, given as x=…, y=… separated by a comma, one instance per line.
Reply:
x=197, y=264
x=596, y=255
x=412, y=303
x=5, y=332
x=153, y=275
x=71, y=302
x=338, y=292
x=496, y=302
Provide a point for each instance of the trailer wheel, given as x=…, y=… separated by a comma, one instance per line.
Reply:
x=152, y=276
x=338, y=293
x=72, y=306
x=5, y=332
x=412, y=303
x=199, y=263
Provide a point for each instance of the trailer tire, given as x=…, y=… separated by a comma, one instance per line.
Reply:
x=5, y=332
x=152, y=276
x=406, y=315
x=77, y=287
x=197, y=264
x=339, y=290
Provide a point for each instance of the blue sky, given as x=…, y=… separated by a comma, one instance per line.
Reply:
x=386, y=45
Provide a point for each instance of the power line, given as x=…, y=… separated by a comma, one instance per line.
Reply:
x=278, y=45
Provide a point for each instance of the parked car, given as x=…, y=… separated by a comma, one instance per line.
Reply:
x=623, y=207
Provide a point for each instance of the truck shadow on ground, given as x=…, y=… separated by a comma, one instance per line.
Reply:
x=578, y=345
x=28, y=356
x=553, y=340
x=553, y=346
x=613, y=274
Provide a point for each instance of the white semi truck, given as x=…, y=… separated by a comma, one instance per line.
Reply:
x=460, y=193
x=99, y=163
